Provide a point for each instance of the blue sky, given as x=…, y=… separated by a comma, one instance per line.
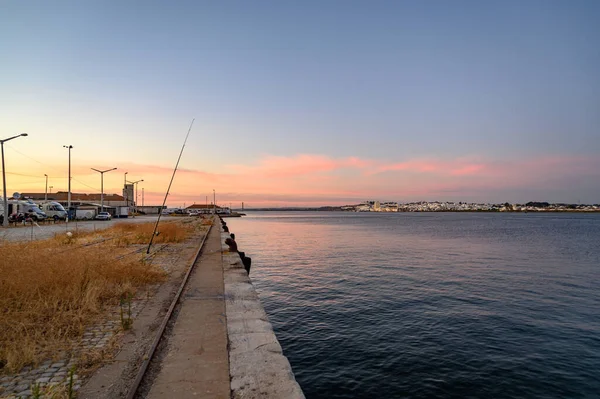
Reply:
x=500, y=84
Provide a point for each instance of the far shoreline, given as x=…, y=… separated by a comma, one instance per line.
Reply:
x=422, y=211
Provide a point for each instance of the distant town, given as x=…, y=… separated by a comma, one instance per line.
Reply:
x=446, y=206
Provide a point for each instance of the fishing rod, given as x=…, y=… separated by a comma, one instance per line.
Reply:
x=169, y=188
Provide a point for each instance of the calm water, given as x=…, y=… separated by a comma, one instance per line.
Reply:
x=431, y=305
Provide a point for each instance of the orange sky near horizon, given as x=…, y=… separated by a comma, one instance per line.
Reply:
x=299, y=180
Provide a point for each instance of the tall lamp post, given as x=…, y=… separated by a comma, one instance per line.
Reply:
x=136, y=193
x=102, y=172
x=5, y=218
x=46, y=192
x=125, y=189
x=69, y=147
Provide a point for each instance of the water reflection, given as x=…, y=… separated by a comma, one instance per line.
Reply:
x=426, y=305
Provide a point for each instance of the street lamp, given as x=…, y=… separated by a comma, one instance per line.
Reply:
x=69, y=147
x=136, y=193
x=51, y=187
x=214, y=203
x=125, y=189
x=46, y=192
x=5, y=218
x=102, y=172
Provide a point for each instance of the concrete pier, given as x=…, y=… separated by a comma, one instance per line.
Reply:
x=222, y=344
x=257, y=366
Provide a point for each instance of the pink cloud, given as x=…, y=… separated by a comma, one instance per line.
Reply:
x=302, y=164
x=467, y=170
x=458, y=167
x=310, y=177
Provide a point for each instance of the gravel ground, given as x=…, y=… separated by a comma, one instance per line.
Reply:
x=43, y=231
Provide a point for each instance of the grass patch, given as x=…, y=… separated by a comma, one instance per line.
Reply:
x=51, y=290
x=168, y=232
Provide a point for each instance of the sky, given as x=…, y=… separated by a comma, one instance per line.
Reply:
x=304, y=103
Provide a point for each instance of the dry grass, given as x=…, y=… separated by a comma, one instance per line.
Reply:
x=168, y=232
x=51, y=290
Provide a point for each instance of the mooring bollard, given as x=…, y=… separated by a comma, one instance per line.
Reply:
x=247, y=263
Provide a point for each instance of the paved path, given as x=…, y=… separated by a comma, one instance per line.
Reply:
x=44, y=231
x=197, y=361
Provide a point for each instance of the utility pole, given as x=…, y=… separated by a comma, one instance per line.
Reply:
x=136, y=195
x=5, y=218
x=69, y=147
x=142, y=197
x=214, y=203
x=125, y=191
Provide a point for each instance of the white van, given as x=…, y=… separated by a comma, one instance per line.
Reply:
x=54, y=210
x=27, y=208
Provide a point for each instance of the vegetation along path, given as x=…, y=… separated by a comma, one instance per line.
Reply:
x=74, y=303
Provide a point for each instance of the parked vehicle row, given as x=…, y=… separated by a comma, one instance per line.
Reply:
x=19, y=210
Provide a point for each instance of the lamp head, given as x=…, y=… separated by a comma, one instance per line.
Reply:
x=24, y=134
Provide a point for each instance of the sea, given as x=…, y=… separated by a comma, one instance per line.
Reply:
x=431, y=305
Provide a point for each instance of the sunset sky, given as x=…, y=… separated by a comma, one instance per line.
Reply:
x=307, y=102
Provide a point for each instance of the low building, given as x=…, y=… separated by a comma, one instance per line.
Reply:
x=150, y=209
x=208, y=208
x=112, y=200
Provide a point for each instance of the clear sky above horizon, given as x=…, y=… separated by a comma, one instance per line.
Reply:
x=305, y=103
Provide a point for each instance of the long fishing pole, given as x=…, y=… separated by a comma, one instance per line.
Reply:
x=169, y=188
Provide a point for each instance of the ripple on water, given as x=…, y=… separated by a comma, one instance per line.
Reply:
x=431, y=305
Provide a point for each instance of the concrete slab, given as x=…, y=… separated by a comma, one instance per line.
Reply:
x=197, y=363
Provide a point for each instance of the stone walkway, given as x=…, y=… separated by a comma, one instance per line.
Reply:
x=56, y=373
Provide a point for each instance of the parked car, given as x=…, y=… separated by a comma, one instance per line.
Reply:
x=103, y=216
x=35, y=216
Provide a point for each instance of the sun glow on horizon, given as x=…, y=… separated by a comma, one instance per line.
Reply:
x=309, y=179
